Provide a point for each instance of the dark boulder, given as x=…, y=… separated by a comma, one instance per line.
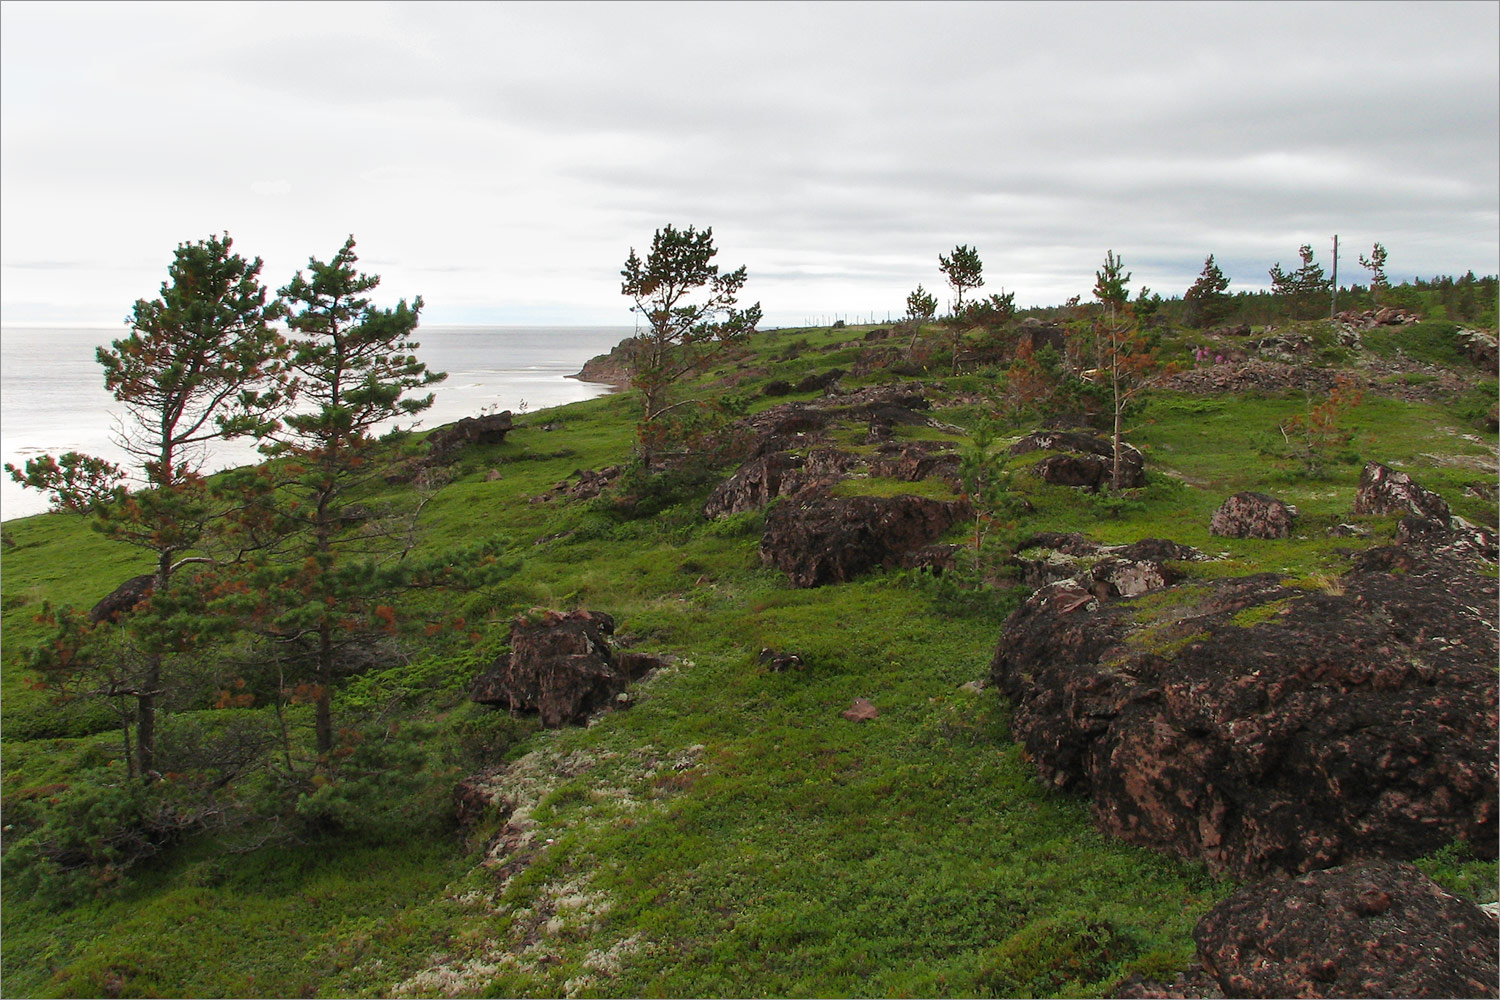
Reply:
x=766, y=477
x=754, y=484
x=1088, y=472
x=1033, y=334
x=820, y=539
x=1264, y=728
x=123, y=599
x=1084, y=460
x=1380, y=929
x=561, y=666
x=913, y=462
x=936, y=559
x=1063, y=441
x=444, y=444
x=1158, y=550
x=1383, y=490
x=817, y=383
x=1253, y=515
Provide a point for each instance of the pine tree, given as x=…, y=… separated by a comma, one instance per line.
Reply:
x=679, y=264
x=319, y=584
x=964, y=270
x=201, y=363
x=1375, y=263
x=1208, y=301
x=1303, y=289
x=920, y=306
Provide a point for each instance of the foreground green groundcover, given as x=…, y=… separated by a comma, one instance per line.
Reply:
x=731, y=833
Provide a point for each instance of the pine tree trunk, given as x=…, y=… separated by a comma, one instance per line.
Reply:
x=145, y=705
x=324, y=704
x=145, y=722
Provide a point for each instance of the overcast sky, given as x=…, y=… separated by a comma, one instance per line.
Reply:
x=502, y=159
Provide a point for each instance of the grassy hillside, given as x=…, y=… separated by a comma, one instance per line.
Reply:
x=729, y=833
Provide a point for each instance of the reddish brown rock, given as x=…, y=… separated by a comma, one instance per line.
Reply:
x=818, y=539
x=1383, y=490
x=861, y=710
x=1269, y=729
x=1379, y=929
x=561, y=666
x=1253, y=515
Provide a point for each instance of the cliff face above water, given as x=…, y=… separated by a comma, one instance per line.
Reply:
x=612, y=368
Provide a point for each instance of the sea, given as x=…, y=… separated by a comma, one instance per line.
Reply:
x=53, y=400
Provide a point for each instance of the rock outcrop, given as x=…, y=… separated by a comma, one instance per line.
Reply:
x=1429, y=522
x=822, y=539
x=1369, y=319
x=1383, y=490
x=776, y=474
x=1253, y=515
x=583, y=484
x=1085, y=460
x=561, y=666
x=123, y=599
x=1479, y=347
x=614, y=368
x=1104, y=570
x=1269, y=729
x=444, y=444
x=1378, y=929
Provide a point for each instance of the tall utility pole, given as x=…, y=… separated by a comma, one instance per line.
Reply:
x=1333, y=305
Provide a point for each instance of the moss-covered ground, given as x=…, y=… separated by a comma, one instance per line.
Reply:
x=730, y=834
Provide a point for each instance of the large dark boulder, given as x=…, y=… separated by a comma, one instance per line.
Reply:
x=764, y=478
x=755, y=483
x=1253, y=515
x=444, y=444
x=1084, y=460
x=1264, y=728
x=123, y=599
x=821, y=539
x=561, y=666
x=1379, y=929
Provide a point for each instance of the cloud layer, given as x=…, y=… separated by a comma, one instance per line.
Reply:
x=500, y=160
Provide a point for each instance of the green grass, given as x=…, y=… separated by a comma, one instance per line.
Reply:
x=731, y=833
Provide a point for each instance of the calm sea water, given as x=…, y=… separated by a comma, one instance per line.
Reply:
x=52, y=396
